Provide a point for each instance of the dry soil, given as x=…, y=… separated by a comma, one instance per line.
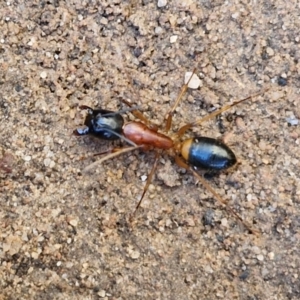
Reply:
x=66, y=234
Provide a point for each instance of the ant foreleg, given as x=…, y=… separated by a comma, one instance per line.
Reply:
x=169, y=115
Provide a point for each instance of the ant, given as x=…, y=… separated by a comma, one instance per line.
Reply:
x=198, y=152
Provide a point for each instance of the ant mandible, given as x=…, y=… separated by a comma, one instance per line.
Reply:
x=197, y=152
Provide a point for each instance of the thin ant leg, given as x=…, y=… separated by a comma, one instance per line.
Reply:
x=182, y=164
x=179, y=97
x=184, y=128
x=138, y=114
x=109, y=156
x=149, y=180
x=113, y=150
x=100, y=153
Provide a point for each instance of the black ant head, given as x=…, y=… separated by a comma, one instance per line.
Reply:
x=101, y=123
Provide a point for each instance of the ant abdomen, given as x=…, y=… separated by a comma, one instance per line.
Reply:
x=207, y=153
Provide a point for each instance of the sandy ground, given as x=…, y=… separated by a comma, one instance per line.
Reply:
x=65, y=234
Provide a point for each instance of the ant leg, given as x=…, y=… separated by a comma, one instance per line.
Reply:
x=182, y=164
x=169, y=115
x=113, y=150
x=184, y=128
x=100, y=153
x=149, y=180
x=112, y=154
x=139, y=115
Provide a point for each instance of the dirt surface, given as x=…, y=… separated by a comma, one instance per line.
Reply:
x=65, y=234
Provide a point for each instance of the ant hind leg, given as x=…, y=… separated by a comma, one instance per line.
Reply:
x=182, y=164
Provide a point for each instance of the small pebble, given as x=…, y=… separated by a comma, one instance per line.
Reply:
x=35, y=255
x=235, y=15
x=47, y=162
x=173, y=39
x=260, y=257
x=103, y=21
x=101, y=293
x=158, y=30
x=270, y=51
x=168, y=222
x=292, y=121
x=144, y=177
x=73, y=222
x=240, y=123
x=224, y=222
x=43, y=75
x=27, y=158
x=265, y=160
x=161, y=3
x=135, y=254
x=194, y=82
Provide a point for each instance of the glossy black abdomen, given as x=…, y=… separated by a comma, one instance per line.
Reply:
x=208, y=153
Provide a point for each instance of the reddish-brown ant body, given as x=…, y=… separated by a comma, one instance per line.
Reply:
x=203, y=152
